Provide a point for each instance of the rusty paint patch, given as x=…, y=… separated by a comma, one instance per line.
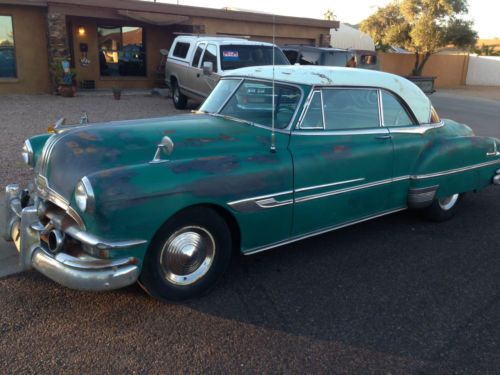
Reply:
x=87, y=136
x=218, y=164
x=202, y=141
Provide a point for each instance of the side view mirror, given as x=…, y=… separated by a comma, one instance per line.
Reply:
x=208, y=68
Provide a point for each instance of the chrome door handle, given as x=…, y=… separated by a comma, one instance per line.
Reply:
x=388, y=136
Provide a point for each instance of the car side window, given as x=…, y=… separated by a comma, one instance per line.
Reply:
x=210, y=56
x=347, y=109
x=394, y=112
x=197, y=54
x=313, y=118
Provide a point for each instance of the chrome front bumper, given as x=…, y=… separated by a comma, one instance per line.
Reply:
x=76, y=270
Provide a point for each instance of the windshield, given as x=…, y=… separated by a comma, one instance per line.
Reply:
x=252, y=102
x=336, y=58
x=235, y=56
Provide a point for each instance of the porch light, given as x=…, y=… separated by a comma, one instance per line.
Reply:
x=81, y=30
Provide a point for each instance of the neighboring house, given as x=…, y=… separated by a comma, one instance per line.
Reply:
x=347, y=36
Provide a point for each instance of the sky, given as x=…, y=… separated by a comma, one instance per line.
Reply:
x=484, y=13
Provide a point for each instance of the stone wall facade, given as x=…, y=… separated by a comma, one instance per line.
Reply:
x=58, y=47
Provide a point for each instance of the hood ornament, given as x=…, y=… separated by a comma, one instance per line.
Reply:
x=166, y=146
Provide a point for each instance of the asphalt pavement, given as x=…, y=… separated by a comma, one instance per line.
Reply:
x=394, y=295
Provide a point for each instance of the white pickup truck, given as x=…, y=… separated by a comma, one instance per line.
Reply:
x=195, y=63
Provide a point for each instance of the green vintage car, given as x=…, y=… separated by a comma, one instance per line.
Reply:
x=273, y=156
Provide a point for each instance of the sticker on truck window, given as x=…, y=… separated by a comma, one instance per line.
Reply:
x=230, y=56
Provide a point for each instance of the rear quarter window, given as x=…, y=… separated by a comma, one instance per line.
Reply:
x=181, y=50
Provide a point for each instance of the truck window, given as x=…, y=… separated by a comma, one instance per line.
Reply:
x=181, y=50
x=235, y=56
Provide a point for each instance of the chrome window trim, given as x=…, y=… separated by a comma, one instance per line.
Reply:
x=323, y=109
x=286, y=129
x=320, y=231
x=305, y=110
x=416, y=129
x=380, y=108
x=343, y=132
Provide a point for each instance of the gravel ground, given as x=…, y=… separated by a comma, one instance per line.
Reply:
x=22, y=116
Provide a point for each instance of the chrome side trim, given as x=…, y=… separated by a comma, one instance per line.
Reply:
x=342, y=191
x=456, y=170
x=320, y=231
x=328, y=185
x=271, y=203
x=380, y=108
x=422, y=197
x=261, y=202
x=260, y=197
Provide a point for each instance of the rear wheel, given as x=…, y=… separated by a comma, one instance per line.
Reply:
x=187, y=256
x=180, y=100
x=443, y=209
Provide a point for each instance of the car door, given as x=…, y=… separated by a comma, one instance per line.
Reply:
x=194, y=74
x=343, y=160
x=208, y=82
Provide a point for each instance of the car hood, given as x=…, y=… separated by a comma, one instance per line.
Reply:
x=78, y=152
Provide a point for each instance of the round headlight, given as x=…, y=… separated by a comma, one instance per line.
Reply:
x=84, y=196
x=27, y=153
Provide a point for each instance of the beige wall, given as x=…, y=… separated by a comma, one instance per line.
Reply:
x=450, y=70
x=263, y=31
x=30, y=30
x=155, y=38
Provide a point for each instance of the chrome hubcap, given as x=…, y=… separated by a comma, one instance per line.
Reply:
x=176, y=94
x=448, y=202
x=187, y=255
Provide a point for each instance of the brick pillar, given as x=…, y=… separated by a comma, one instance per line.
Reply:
x=58, y=43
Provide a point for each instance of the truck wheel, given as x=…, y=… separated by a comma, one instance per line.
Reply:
x=187, y=256
x=443, y=209
x=180, y=100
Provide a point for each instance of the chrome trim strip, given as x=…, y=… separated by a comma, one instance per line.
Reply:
x=307, y=103
x=328, y=185
x=323, y=109
x=260, y=197
x=320, y=231
x=342, y=191
x=415, y=129
x=456, y=170
x=271, y=203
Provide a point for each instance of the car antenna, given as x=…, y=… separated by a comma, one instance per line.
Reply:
x=273, y=135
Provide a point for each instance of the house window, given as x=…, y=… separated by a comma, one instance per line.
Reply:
x=121, y=51
x=7, y=51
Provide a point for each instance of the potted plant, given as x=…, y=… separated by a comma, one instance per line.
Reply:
x=65, y=78
x=117, y=93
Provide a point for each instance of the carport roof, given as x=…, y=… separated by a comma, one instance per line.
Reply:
x=182, y=10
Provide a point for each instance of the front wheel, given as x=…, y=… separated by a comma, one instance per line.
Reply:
x=180, y=100
x=187, y=256
x=443, y=209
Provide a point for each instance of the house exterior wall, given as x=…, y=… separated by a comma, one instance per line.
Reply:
x=30, y=41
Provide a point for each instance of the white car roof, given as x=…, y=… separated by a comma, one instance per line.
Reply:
x=337, y=76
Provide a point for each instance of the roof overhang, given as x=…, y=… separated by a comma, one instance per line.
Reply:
x=181, y=10
x=159, y=19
